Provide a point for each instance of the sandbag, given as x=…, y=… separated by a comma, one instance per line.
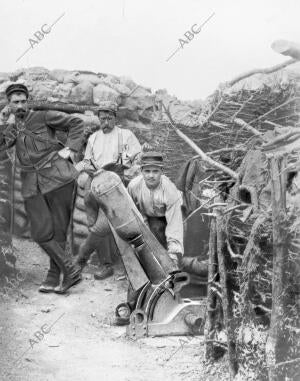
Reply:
x=82, y=93
x=43, y=90
x=104, y=93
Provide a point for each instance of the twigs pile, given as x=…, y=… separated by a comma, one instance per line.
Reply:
x=233, y=117
x=245, y=128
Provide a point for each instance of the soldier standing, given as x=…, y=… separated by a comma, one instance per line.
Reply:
x=48, y=179
x=114, y=149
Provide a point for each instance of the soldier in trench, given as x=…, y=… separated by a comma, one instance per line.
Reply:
x=114, y=149
x=48, y=179
x=159, y=202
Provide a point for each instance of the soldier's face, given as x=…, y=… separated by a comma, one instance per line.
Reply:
x=107, y=121
x=152, y=175
x=18, y=104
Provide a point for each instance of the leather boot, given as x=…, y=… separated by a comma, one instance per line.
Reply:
x=104, y=272
x=71, y=272
x=104, y=251
x=52, y=278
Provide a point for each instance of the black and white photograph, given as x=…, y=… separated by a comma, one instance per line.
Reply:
x=150, y=190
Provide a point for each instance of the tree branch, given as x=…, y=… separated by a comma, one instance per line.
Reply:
x=261, y=71
x=232, y=254
x=283, y=138
x=228, y=149
x=275, y=108
x=203, y=155
x=243, y=124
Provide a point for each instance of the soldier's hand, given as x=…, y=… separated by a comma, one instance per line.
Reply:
x=147, y=147
x=82, y=179
x=5, y=115
x=81, y=165
x=64, y=153
x=67, y=153
x=175, y=258
x=85, y=166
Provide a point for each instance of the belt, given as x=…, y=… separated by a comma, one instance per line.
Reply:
x=39, y=165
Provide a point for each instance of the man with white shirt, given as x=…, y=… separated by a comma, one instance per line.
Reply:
x=112, y=145
x=159, y=202
x=114, y=149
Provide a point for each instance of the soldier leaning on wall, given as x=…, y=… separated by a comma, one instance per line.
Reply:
x=114, y=149
x=48, y=179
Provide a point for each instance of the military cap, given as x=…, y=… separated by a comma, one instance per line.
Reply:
x=108, y=106
x=16, y=88
x=152, y=158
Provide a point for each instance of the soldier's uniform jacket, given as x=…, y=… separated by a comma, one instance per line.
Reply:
x=42, y=169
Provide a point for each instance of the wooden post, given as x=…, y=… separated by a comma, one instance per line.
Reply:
x=227, y=297
x=211, y=298
x=7, y=259
x=275, y=351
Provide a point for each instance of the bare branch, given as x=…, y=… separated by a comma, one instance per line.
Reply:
x=217, y=342
x=275, y=108
x=203, y=155
x=287, y=362
x=216, y=285
x=243, y=124
x=263, y=308
x=283, y=138
x=216, y=292
x=232, y=254
x=274, y=124
x=261, y=71
x=212, y=113
x=201, y=206
x=216, y=204
x=228, y=149
x=234, y=208
x=218, y=124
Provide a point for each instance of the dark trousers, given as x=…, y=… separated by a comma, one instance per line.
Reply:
x=100, y=237
x=158, y=226
x=49, y=214
x=106, y=250
x=105, y=247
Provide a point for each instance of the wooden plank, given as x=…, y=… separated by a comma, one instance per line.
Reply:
x=226, y=296
x=274, y=351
